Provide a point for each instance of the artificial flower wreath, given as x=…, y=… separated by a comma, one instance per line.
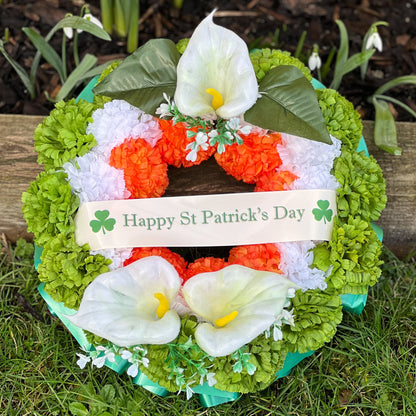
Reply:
x=224, y=322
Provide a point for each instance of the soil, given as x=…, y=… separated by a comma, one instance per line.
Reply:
x=257, y=21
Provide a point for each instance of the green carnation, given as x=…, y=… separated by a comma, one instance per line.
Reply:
x=363, y=189
x=49, y=206
x=266, y=357
x=264, y=60
x=181, y=45
x=62, y=135
x=67, y=269
x=354, y=253
x=107, y=71
x=342, y=120
x=316, y=314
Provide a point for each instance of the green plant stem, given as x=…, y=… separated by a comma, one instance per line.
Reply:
x=177, y=4
x=107, y=15
x=133, y=34
x=300, y=44
x=63, y=55
x=120, y=19
x=75, y=48
x=325, y=68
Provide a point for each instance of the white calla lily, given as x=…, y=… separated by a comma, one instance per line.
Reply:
x=131, y=305
x=215, y=77
x=238, y=304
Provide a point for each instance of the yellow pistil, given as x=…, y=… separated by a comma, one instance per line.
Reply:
x=226, y=319
x=217, y=100
x=164, y=305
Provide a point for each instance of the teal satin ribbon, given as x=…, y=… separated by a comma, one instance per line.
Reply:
x=208, y=396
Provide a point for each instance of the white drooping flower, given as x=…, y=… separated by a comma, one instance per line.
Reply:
x=237, y=304
x=374, y=41
x=215, y=77
x=131, y=306
x=314, y=61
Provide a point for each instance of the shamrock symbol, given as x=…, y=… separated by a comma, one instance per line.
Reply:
x=102, y=222
x=323, y=211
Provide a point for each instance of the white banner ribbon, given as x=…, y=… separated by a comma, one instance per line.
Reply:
x=207, y=220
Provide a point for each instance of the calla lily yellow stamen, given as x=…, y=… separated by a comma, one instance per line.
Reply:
x=217, y=100
x=163, y=307
x=220, y=322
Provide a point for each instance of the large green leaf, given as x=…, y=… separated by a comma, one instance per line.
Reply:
x=288, y=104
x=144, y=76
x=385, y=135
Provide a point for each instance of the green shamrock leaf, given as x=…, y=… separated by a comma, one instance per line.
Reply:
x=102, y=222
x=323, y=211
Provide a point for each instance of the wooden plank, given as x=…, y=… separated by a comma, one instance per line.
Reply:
x=398, y=219
x=18, y=168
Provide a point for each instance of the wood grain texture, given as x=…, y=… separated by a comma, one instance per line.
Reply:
x=398, y=220
x=18, y=167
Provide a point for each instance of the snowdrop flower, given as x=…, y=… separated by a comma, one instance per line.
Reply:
x=314, y=61
x=374, y=41
x=92, y=19
x=237, y=304
x=69, y=32
x=215, y=77
x=131, y=306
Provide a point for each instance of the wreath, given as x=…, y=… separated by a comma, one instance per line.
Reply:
x=214, y=324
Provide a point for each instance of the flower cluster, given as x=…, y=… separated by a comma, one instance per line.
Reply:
x=206, y=134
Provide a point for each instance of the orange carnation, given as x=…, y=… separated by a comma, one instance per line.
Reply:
x=256, y=256
x=145, y=173
x=204, y=265
x=257, y=155
x=275, y=181
x=177, y=261
x=173, y=144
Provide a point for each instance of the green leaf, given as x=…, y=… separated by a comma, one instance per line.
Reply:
x=288, y=105
x=343, y=50
x=76, y=76
x=46, y=50
x=144, y=76
x=353, y=62
x=19, y=70
x=407, y=79
x=108, y=393
x=85, y=25
x=385, y=135
x=397, y=102
x=78, y=409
